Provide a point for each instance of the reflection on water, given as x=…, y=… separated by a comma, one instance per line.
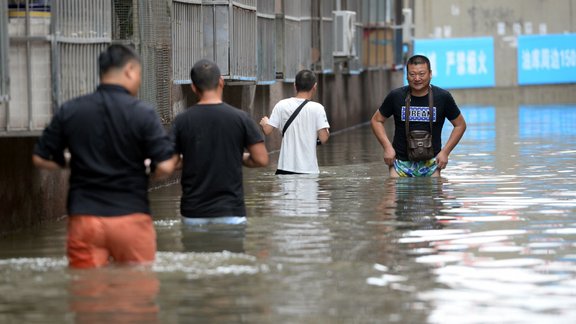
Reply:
x=213, y=238
x=114, y=295
x=493, y=241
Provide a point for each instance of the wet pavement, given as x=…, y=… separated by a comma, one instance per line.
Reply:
x=492, y=241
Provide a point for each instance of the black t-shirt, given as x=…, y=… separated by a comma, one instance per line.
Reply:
x=109, y=134
x=212, y=139
x=394, y=105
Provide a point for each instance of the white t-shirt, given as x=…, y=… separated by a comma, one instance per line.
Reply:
x=298, y=150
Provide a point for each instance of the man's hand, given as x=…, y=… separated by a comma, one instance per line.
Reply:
x=267, y=129
x=257, y=156
x=442, y=160
x=389, y=156
x=264, y=121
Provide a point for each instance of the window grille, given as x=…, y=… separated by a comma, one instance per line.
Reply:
x=83, y=31
x=230, y=37
x=187, y=38
x=30, y=69
x=327, y=38
x=266, y=62
x=292, y=46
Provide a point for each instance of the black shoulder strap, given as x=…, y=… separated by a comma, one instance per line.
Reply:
x=294, y=114
x=430, y=111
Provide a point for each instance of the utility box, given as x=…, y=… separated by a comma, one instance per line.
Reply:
x=344, y=33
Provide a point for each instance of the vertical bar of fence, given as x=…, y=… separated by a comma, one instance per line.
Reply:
x=54, y=21
x=28, y=65
x=4, y=75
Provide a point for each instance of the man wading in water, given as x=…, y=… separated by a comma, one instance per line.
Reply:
x=429, y=106
x=109, y=134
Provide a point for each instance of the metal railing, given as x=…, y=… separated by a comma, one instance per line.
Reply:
x=4, y=90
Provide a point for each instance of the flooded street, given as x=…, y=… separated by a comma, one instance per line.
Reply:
x=492, y=241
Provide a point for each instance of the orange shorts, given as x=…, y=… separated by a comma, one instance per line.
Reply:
x=93, y=241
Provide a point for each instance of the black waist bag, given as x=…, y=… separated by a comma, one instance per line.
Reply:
x=419, y=142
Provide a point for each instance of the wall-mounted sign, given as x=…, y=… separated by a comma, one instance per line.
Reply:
x=459, y=62
x=545, y=59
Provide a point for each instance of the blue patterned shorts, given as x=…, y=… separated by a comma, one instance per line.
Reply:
x=415, y=169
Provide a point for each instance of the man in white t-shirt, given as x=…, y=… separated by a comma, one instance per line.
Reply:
x=298, y=150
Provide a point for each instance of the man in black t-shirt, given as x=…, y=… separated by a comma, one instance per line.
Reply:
x=419, y=75
x=211, y=137
x=109, y=134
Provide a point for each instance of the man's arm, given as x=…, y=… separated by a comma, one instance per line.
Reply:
x=42, y=163
x=323, y=135
x=377, y=123
x=257, y=156
x=266, y=128
x=165, y=168
x=459, y=128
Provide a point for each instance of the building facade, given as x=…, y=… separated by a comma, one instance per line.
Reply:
x=48, y=51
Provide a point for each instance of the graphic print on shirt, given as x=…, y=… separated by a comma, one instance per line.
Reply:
x=419, y=114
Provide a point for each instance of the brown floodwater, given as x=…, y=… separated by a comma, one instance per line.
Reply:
x=492, y=241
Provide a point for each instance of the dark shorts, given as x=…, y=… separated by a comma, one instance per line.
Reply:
x=282, y=172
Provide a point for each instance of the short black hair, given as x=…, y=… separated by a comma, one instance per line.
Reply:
x=419, y=59
x=115, y=57
x=305, y=80
x=205, y=75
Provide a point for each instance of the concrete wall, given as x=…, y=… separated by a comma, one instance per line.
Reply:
x=28, y=196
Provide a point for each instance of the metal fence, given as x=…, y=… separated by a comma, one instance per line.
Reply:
x=123, y=16
x=4, y=89
x=186, y=38
x=266, y=50
x=3, y=51
x=154, y=40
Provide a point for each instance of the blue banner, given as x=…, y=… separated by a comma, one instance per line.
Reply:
x=546, y=59
x=459, y=62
